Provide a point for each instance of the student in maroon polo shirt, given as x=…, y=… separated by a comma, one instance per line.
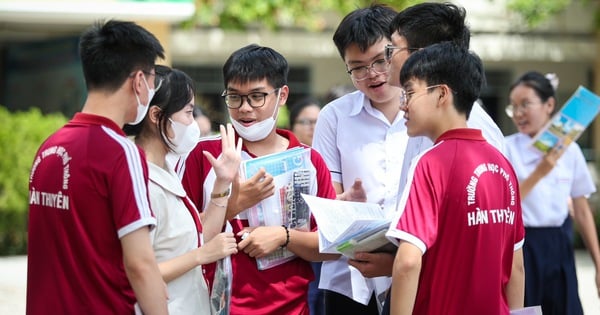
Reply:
x=255, y=80
x=458, y=223
x=89, y=216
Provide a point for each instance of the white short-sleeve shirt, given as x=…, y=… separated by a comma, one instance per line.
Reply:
x=176, y=234
x=546, y=204
x=358, y=141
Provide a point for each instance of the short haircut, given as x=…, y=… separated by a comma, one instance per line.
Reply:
x=111, y=51
x=447, y=63
x=431, y=23
x=363, y=27
x=255, y=63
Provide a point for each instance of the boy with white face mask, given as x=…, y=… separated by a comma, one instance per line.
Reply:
x=182, y=242
x=255, y=88
x=98, y=179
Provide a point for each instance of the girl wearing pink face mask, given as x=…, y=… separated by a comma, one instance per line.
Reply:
x=547, y=182
x=182, y=241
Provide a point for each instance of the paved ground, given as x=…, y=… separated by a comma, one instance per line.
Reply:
x=13, y=275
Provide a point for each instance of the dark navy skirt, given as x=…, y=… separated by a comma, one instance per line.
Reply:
x=550, y=276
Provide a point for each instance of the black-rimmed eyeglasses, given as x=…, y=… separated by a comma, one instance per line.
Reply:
x=254, y=99
x=389, y=51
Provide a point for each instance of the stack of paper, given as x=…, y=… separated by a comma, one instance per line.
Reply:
x=348, y=227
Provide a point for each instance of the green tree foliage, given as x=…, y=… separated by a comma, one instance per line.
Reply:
x=21, y=133
x=535, y=12
x=275, y=14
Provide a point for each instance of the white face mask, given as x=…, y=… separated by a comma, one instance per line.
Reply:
x=141, y=109
x=186, y=137
x=259, y=130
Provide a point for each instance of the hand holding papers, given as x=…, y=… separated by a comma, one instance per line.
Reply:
x=292, y=176
x=569, y=123
x=347, y=227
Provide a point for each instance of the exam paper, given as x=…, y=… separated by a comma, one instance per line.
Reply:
x=345, y=222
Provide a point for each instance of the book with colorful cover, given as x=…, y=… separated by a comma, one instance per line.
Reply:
x=569, y=122
x=291, y=171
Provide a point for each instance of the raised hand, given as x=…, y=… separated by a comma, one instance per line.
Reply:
x=549, y=161
x=228, y=163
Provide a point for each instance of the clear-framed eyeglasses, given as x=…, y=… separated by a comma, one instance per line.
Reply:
x=254, y=99
x=389, y=51
x=406, y=97
x=379, y=66
x=512, y=109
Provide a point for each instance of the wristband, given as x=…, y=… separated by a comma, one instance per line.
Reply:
x=218, y=204
x=287, y=236
x=220, y=195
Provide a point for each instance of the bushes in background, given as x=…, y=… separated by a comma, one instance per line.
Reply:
x=21, y=134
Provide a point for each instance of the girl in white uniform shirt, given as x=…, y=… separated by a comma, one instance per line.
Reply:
x=169, y=127
x=546, y=184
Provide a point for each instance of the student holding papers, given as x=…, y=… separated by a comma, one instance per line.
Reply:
x=255, y=80
x=547, y=181
x=459, y=228
x=362, y=134
x=348, y=227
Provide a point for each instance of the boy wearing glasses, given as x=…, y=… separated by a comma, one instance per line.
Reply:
x=420, y=26
x=89, y=248
x=362, y=135
x=459, y=228
x=255, y=81
x=362, y=138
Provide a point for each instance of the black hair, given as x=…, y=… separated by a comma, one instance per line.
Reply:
x=539, y=83
x=176, y=92
x=447, y=63
x=431, y=23
x=254, y=63
x=111, y=51
x=298, y=106
x=363, y=27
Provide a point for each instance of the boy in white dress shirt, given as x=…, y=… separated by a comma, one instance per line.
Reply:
x=362, y=134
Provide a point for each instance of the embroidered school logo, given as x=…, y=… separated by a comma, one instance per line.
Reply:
x=487, y=216
x=57, y=199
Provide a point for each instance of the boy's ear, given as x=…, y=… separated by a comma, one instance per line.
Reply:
x=444, y=92
x=445, y=97
x=283, y=96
